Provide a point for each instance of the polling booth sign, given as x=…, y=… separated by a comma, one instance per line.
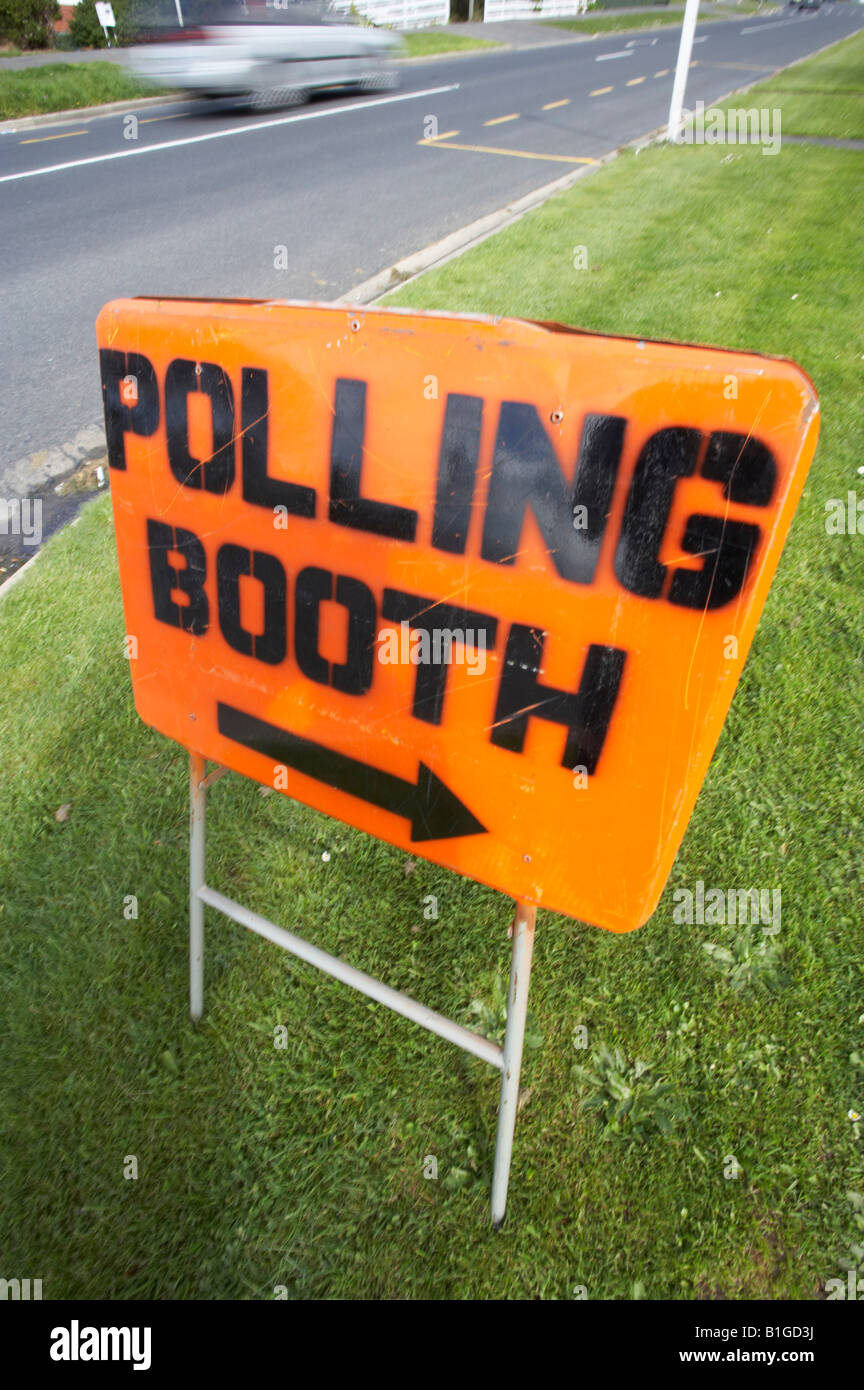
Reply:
x=482, y=588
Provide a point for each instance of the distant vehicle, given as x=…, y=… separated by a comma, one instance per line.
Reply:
x=806, y=4
x=268, y=57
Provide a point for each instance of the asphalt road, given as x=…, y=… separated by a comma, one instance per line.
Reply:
x=200, y=201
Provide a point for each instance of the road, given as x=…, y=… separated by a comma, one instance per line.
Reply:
x=215, y=202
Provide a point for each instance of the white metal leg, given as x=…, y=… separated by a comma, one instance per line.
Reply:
x=331, y=965
x=514, y=1039
x=508, y=1059
x=197, y=850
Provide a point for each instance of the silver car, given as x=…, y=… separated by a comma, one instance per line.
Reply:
x=268, y=56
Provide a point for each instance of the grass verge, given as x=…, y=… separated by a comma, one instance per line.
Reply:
x=620, y=23
x=424, y=45
x=66, y=87
x=823, y=97
x=304, y=1166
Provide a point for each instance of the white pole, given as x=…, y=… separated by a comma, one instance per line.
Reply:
x=339, y=969
x=179, y=12
x=514, y=1038
x=685, y=48
x=197, y=848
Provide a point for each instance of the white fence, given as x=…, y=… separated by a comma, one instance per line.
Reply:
x=531, y=9
x=402, y=14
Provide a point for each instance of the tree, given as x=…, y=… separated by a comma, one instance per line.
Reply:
x=84, y=27
x=29, y=23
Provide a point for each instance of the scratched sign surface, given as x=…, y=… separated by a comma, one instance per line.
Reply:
x=482, y=588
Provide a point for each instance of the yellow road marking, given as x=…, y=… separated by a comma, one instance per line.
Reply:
x=664, y=72
x=601, y=91
x=148, y=120
x=634, y=81
x=445, y=135
x=37, y=139
x=516, y=154
x=550, y=105
x=499, y=120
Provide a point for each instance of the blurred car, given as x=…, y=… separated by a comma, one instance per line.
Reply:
x=267, y=56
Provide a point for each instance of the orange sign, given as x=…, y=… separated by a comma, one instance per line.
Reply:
x=480, y=587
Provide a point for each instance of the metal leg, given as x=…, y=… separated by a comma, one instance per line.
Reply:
x=514, y=1038
x=508, y=1058
x=197, y=846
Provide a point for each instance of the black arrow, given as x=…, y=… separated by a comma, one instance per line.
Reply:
x=434, y=811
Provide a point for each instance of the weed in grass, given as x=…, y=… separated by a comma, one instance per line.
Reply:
x=631, y=1100
x=491, y=1014
x=753, y=959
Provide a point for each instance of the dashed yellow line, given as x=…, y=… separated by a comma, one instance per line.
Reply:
x=148, y=120
x=515, y=154
x=601, y=91
x=664, y=72
x=499, y=120
x=550, y=105
x=67, y=135
x=445, y=135
x=634, y=81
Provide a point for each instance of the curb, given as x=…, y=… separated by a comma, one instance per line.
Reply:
x=410, y=267
x=84, y=113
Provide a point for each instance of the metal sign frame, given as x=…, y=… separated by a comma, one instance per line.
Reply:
x=508, y=1059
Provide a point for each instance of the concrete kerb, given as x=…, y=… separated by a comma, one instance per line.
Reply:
x=85, y=113
x=438, y=252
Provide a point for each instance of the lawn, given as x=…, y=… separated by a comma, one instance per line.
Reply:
x=66, y=87
x=614, y=23
x=426, y=45
x=303, y=1167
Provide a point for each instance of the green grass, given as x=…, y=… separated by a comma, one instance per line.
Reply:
x=424, y=45
x=613, y=23
x=304, y=1167
x=600, y=22
x=824, y=96
x=66, y=87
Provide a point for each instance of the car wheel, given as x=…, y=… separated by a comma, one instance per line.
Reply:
x=382, y=81
x=269, y=97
